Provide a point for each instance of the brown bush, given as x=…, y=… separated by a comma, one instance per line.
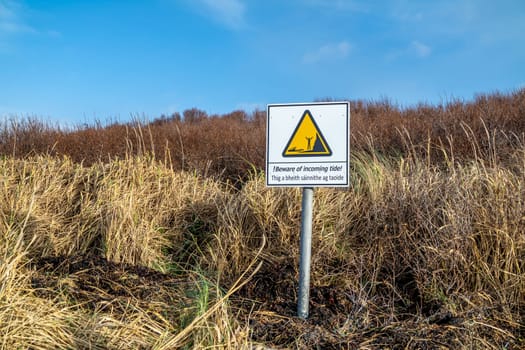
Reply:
x=228, y=146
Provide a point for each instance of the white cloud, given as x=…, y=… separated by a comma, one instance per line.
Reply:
x=421, y=50
x=408, y=17
x=10, y=21
x=328, y=52
x=5, y=12
x=13, y=23
x=229, y=12
x=53, y=33
x=7, y=27
x=339, y=5
x=415, y=49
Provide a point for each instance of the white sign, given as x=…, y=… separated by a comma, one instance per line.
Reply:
x=308, y=145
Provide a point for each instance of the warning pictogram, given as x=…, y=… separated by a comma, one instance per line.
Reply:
x=307, y=139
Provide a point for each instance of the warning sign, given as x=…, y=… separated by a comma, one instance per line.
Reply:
x=307, y=140
x=307, y=145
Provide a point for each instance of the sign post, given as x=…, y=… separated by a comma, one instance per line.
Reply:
x=307, y=145
x=305, y=252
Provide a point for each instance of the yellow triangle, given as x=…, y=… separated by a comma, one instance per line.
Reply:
x=307, y=140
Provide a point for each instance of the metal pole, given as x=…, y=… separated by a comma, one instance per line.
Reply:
x=305, y=252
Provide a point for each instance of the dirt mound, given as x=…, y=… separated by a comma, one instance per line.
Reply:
x=99, y=284
x=341, y=319
x=274, y=290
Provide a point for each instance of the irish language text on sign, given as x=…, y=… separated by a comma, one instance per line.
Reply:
x=308, y=145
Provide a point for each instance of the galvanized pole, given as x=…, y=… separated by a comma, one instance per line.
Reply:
x=305, y=252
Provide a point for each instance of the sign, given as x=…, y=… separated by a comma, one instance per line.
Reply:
x=307, y=145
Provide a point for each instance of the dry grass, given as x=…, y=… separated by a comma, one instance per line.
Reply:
x=430, y=254
x=425, y=250
x=132, y=212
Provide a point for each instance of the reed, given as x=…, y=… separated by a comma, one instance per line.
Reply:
x=409, y=241
x=424, y=250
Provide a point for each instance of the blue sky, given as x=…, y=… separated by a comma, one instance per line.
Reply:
x=80, y=61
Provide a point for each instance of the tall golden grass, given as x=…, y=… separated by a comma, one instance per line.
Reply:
x=408, y=236
x=111, y=251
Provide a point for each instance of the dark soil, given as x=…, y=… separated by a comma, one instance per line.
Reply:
x=96, y=283
x=338, y=319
